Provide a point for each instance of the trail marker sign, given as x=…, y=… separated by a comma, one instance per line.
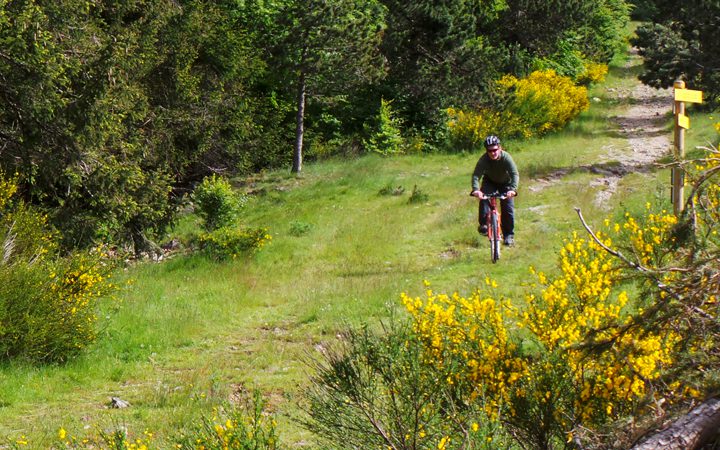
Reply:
x=688, y=95
x=682, y=123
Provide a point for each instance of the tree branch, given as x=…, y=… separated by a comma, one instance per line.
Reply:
x=608, y=249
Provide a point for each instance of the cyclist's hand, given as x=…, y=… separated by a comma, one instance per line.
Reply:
x=510, y=194
x=477, y=194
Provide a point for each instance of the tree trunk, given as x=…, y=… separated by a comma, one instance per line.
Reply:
x=300, y=127
x=697, y=428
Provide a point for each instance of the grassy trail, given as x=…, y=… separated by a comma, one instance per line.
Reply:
x=187, y=333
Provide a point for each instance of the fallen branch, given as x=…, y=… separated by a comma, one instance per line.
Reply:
x=693, y=430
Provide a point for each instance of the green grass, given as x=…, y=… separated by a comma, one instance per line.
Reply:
x=188, y=333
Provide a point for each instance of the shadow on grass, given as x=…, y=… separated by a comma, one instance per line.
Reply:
x=610, y=168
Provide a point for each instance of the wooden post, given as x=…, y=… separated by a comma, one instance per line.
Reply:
x=678, y=174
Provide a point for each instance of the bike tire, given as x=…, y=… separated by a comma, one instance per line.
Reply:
x=494, y=239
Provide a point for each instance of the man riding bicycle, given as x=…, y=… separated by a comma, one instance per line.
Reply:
x=496, y=172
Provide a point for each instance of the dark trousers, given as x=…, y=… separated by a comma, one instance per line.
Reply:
x=507, y=207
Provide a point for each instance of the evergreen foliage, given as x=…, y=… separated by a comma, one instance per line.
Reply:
x=216, y=202
x=384, y=132
x=682, y=41
x=112, y=111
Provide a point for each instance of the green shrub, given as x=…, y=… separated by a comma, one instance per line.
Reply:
x=231, y=242
x=384, y=133
x=47, y=303
x=376, y=390
x=298, y=228
x=567, y=60
x=216, y=202
x=418, y=196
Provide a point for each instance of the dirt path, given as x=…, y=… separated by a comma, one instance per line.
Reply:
x=643, y=126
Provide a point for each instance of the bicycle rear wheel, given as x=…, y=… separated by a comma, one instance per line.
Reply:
x=494, y=238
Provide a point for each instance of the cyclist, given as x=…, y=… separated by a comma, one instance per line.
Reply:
x=496, y=171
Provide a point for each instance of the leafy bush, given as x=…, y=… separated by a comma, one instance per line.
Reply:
x=47, y=303
x=233, y=241
x=544, y=101
x=216, y=202
x=298, y=228
x=567, y=60
x=376, y=390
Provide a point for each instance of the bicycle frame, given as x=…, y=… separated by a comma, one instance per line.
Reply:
x=494, y=226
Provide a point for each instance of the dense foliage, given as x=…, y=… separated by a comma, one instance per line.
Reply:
x=541, y=102
x=682, y=41
x=112, y=111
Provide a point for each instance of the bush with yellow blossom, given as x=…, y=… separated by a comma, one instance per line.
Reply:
x=47, y=302
x=621, y=326
x=541, y=102
x=379, y=390
x=529, y=366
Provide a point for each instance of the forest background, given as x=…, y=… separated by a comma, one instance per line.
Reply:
x=114, y=113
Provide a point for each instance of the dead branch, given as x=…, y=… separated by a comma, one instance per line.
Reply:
x=697, y=428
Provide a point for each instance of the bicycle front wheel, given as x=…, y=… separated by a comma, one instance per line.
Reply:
x=494, y=238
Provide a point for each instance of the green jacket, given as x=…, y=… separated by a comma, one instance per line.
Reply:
x=502, y=171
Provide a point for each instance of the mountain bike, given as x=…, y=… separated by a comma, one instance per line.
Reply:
x=494, y=229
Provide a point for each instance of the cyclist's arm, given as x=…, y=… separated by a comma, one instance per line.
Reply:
x=478, y=174
x=514, y=174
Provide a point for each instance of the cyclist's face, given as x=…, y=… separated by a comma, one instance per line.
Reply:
x=493, y=152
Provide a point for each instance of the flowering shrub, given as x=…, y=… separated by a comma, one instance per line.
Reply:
x=593, y=73
x=468, y=129
x=531, y=366
x=230, y=428
x=231, y=242
x=542, y=102
x=378, y=391
x=47, y=303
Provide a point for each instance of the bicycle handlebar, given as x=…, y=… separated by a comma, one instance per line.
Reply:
x=497, y=195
